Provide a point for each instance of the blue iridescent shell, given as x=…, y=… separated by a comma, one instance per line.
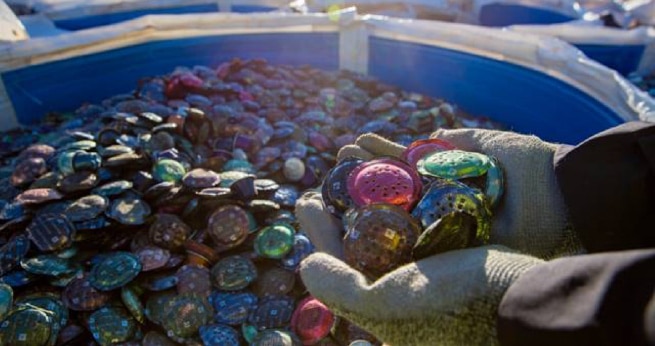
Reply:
x=446, y=196
x=232, y=308
x=274, y=312
x=218, y=335
x=302, y=247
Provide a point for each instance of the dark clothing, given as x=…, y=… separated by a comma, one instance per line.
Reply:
x=608, y=183
x=606, y=297
x=597, y=299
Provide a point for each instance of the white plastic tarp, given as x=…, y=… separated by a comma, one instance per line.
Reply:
x=643, y=10
x=585, y=29
x=444, y=10
x=595, y=35
x=468, y=11
x=67, y=9
x=547, y=55
x=11, y=29
x=461, y=11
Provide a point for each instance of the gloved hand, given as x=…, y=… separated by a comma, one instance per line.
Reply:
x=531, y=217
x=323, y=229
x=447, y=299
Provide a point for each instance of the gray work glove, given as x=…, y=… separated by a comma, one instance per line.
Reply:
x=450, y=298
x=447, y=299
x=531, y=217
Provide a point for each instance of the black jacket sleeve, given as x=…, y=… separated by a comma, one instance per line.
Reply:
x=608, y=184
x=605, y=298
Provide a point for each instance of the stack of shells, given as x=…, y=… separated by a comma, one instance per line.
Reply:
x=165, y=216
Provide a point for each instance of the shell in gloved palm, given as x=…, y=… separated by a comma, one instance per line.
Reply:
x=379, y=238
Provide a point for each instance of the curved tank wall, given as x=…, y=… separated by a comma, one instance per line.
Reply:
x=526, y=100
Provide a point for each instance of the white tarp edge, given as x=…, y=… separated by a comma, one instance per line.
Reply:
x=547, y=55
x=38, y=25
x=153, y=28
x=461, y=11
x=11, y=29
x=643, y=10
x=577, y=34
x=574, y=33
x=67, y=9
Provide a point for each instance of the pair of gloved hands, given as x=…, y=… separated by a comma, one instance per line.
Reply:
x=450, y=298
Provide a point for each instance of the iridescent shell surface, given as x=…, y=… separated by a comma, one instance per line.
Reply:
x=379, y=238
x=384, y=180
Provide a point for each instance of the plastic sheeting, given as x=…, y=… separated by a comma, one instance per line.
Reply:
x=642, y=10
x=85, y=22
x=534, y=84
x=626, y=51
x=83, y=14
x=67, y=9
x=483, y=12
x=623, y=50
x=11, y=29
x=444, y=10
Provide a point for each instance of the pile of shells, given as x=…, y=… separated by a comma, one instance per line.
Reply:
x=165, y=216
x=645, y=83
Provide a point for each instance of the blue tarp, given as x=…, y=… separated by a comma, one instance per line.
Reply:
x=528, y=101
x=622, y=58
x=499, y=15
